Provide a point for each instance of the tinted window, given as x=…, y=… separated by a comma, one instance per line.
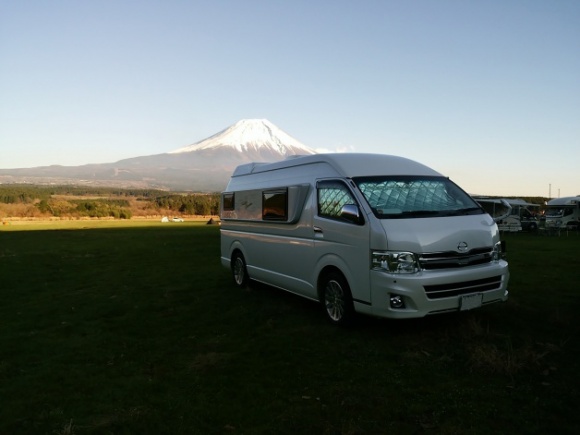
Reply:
x=275, y=205
x=332, y=196
x=228, y=201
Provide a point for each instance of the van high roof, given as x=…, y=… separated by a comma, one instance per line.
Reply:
x=567, y=200
x=346, y=164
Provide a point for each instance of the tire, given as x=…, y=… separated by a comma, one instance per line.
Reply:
x=239, y=270
x=336, y=299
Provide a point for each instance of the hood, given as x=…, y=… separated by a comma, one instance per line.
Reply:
x=442, y=234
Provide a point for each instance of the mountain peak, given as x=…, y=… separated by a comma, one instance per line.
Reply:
x=251, y=135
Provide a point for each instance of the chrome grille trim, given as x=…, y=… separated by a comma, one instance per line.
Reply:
x=439, y=291
x=452, y=259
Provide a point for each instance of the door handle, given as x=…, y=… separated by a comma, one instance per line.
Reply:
x=317, y=230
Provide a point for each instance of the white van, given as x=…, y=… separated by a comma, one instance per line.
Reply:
x=368, y=233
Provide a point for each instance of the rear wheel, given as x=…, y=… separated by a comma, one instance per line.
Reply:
x=239, y=270
x=337, y=299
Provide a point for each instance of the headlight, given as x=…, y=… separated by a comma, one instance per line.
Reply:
x=395, y=262
x=497, y=253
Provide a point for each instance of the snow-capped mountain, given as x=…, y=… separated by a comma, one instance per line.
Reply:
x=204, y=166
x=251, y=136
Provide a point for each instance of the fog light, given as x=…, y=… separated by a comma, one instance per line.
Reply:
x=397, y=301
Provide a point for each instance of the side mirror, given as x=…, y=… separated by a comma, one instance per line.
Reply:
x=351, y=213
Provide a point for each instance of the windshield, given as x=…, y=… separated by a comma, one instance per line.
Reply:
x=414, y=197
x=559, y=211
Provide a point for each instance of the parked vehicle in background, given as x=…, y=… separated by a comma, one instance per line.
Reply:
x=175, y=219
x=511, y=215
x=563, y=212
x=374, y=234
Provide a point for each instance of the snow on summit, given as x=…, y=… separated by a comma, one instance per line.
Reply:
x=250, y=135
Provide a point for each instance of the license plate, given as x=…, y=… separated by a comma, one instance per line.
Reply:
x=468, y=302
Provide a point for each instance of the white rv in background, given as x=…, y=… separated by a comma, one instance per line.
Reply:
x=563, y=213
x=374, y=234
x=511, y=215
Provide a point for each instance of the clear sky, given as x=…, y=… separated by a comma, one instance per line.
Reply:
x=486, y=92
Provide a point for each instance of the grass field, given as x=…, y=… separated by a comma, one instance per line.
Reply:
x=125, y=328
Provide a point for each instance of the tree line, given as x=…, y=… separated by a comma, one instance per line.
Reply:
x=98, y=202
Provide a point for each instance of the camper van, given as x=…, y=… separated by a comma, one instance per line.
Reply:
x=511, y=215
x=563, y=213
x=361, y=233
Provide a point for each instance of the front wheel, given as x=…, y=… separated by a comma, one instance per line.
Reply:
x=239, y=270
x=337, y=299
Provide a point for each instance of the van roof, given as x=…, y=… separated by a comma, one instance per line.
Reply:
x=346, y=164
x=567, y=200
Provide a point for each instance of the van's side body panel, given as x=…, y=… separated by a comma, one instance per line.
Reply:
x=293, y=253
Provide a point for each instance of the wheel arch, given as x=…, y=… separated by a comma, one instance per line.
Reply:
x=324, y=272
x=327, y=264
x=235, y=247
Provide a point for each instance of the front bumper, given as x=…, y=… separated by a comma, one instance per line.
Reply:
x=411, y=288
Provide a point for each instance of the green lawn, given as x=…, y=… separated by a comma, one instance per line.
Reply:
x=132, y=329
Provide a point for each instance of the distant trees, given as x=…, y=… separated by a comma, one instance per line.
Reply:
x=193, y=204
x=103, y=208
x=24, y=193
x=21, y=194
x=73, y=201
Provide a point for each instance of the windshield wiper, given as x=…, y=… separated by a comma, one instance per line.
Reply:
x=429, y=213
x=464, y=211
x=422, y=213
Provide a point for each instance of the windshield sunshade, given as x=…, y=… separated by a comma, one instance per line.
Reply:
x=405, y=197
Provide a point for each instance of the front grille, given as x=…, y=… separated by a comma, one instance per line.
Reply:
x=439, y=291
x=452, y=259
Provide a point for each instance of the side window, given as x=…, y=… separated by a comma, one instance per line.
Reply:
x=332, y=196
x=275, y=205
x=228, y=202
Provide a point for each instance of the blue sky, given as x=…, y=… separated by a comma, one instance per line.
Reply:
x=485, y=92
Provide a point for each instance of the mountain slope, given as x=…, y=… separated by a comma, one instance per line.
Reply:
x=251, y=136
x=204, y=166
